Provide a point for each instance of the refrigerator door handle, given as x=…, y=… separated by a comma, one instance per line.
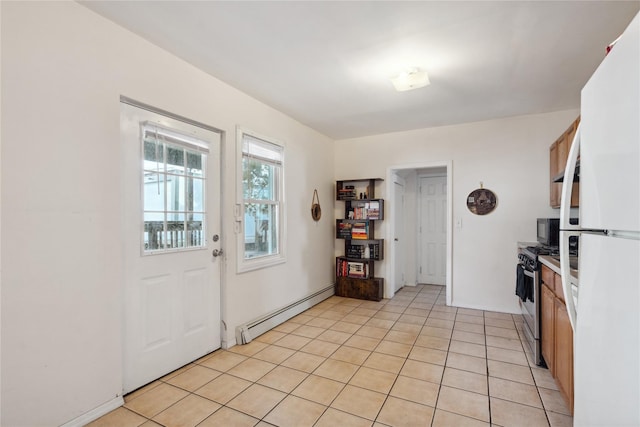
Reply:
x=565, y=272
x=568, y=229
x=567, y=185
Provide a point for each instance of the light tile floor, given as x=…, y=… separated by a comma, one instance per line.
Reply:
x=407, y=361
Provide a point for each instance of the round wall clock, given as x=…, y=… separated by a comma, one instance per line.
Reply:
x=481, y=201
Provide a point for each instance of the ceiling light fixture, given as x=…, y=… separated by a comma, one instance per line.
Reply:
x=409, y=79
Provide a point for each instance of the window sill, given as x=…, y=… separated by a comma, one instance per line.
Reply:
x=258, y=263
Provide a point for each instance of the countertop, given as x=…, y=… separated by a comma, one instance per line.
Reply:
x=554, y=264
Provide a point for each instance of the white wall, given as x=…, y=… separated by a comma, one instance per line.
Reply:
x=63, y=71
x=510, y=156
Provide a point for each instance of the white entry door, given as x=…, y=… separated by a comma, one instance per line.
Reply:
x=433, y=230
x=171, y=213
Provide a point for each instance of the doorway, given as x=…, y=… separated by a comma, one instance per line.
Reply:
x=410, y=218
x=170, y=179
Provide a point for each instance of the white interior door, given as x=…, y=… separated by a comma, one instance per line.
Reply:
x=433, y=230
x=398, y=239
x=171, y=212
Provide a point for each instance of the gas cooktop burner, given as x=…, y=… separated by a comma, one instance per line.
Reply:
x=529, y=255
x=542, y=250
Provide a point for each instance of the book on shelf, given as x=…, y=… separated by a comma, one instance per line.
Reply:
x=367, y=210
x=341, y=267
x=373, y=210
x=345, y=229
x=354, y=252
x=366, y=251
x=348, y=192
x=357, y=269
x=360, y=230
x=354, y=269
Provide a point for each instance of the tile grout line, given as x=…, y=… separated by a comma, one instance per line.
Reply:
x=405, y=359
x=406, y=305
x=486, y=350
x=311, y=373
x=435, y=405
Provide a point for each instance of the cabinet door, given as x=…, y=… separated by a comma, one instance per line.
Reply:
x=554, y=169
x=575, y=195
x=547, y=314
x=564, y=145
x=557, y=286
x=369, y=289
x=563, y=357
x=547, y=276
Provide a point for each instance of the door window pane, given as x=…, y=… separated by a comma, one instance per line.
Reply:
x=154, y=236
x=175, y=160
x=173, y=191
x=194, y=164
x=153, y=191
x=153, y=156
x=195, y=230
x=175, y=230
x=195, y=194
x=176, y=193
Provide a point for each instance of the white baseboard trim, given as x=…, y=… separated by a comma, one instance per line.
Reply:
x=95, y=413
x=245, y=333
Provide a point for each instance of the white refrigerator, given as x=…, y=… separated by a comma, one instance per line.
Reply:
x=604, y=302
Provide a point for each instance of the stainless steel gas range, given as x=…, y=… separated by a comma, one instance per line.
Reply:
x=528, y=291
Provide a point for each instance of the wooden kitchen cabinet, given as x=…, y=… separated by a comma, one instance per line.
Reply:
x=547, y=320
x=556, y=334
x=558, y=155
x=557, y=286
x=548, y=278
x=563, y=352
x=555, y=188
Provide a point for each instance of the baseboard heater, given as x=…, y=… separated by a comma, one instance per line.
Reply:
x=245, y=333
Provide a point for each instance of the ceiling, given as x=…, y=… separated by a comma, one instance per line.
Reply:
x=328, y=63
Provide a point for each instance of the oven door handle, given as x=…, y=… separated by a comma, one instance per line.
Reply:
x=527, y=272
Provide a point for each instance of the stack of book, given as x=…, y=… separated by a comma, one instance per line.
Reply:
x=374, y=251
x=346, y=268
x=360, y=231
x=344, y=230
x=347, y=193
x=369, y=210
x=373, y=210
x=357, y=270
x=355, y=251
x=360, y=252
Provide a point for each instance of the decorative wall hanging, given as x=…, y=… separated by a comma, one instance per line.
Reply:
x=316, y=211
x=481, y=201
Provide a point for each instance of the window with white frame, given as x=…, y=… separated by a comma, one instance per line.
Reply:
x=261, y=201
x=173, y=190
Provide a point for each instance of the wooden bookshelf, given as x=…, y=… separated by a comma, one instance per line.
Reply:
x=355, y=269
